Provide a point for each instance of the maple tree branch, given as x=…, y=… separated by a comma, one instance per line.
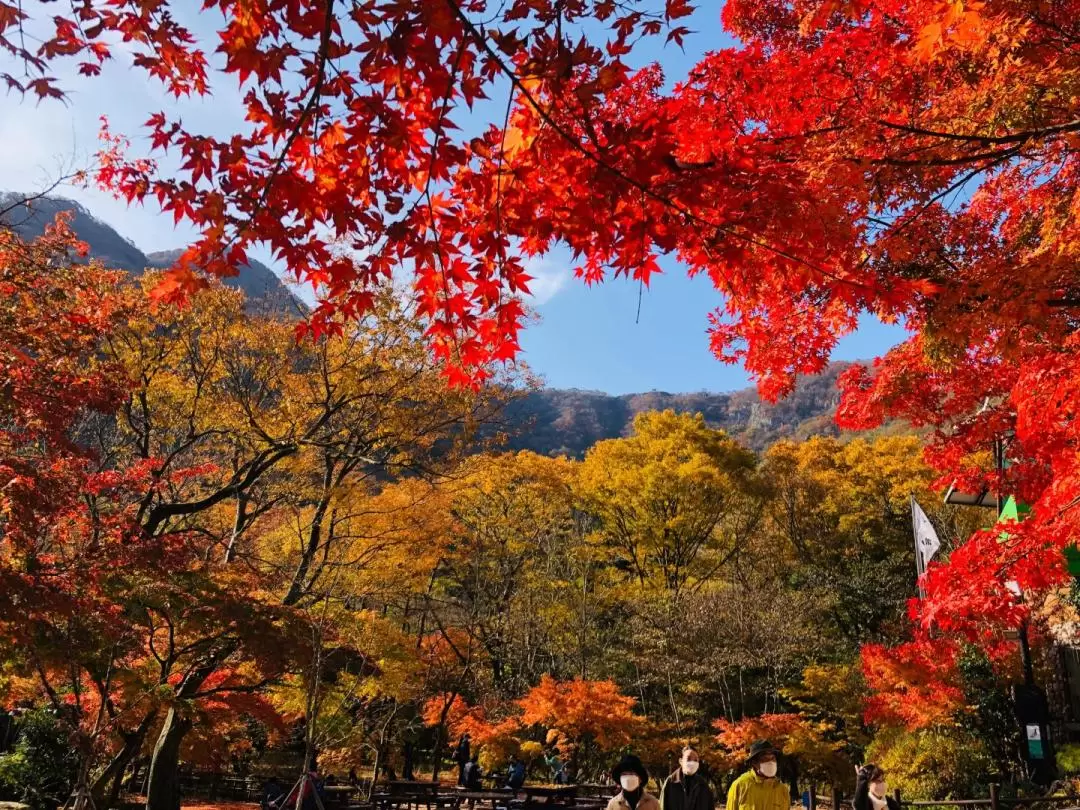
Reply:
x=1015, y=137
x=895, y=228
x=810, y=133
x=439, y=128
x=235, y=690
x=995, y=156
x=26, y=200
x=323, y=58
x=162, y=512
x=54, y=698
x=481, y=40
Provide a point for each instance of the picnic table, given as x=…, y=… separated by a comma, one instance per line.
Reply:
x=414, y=795
x=604, y=792
x=402, y=793
x=551, y=791
x=339, y=796
x=493, y=799
x=548, y=795
x=590, y=803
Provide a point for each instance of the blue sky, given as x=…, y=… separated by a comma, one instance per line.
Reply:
x=585, y=338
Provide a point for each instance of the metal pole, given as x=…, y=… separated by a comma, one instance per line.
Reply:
x=1025, y=654
x=1022, y=632
x=919, y=568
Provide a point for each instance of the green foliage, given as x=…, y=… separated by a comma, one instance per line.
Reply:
x=41, y=769
x=990, y=715
x=933, y=764
x=844, y=511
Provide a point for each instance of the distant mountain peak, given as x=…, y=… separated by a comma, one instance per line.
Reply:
x=264, y=290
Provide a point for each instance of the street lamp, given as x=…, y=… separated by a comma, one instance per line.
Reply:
x=1022, y=634
x=984, y=498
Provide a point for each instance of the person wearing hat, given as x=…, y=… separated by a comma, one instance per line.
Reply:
x=631, y=777
x=758, y=788
x=686, y=789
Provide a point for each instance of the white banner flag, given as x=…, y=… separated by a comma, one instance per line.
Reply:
x=926, y=539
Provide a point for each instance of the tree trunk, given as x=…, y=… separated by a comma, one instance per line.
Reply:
x=164, y=790
x=436, y=765
x=106, y=795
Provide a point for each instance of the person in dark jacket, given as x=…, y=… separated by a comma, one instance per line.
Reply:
x=686, y=789
x=516, y=777
x=871, y=792
x=461, y=757
x=473, y=775
x=789, y=774
x=407, y=768
x=273, y=793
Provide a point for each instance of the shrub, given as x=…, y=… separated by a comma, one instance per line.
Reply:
x=41, y=769
x=933, y=764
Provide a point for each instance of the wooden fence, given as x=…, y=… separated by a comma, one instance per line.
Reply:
x=995, y=801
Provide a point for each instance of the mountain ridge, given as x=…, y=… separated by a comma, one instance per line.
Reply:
x=549, y=421
x=569, y=421
x=263, y=288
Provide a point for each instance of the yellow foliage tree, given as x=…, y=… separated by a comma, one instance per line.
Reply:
x=268, y=452
x=833, y=694
x=842, y=510
x=675, y=500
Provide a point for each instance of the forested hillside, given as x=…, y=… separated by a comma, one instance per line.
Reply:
x=549, y=421
x=571, y=421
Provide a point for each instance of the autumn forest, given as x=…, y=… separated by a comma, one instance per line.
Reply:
x=237, y=540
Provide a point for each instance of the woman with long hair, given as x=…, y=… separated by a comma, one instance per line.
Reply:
x=871, y=792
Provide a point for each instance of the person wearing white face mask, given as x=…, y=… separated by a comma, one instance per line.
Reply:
x=758, y=788
x=630, y=775
x=871, y=792
x=687, y=789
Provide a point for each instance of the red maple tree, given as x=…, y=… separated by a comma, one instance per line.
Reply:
x=66, y=552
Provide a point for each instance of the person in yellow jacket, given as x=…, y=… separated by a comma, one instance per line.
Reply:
x=759, y=788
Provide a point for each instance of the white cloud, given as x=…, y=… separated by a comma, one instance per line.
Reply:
x=549, y=274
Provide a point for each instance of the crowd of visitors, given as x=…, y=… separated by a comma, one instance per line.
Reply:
x=761, y=786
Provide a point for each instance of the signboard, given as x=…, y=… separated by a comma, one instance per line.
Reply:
x=1011, y=510
x=1033, y=716
x=1034, y=742
x=1072, y=560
